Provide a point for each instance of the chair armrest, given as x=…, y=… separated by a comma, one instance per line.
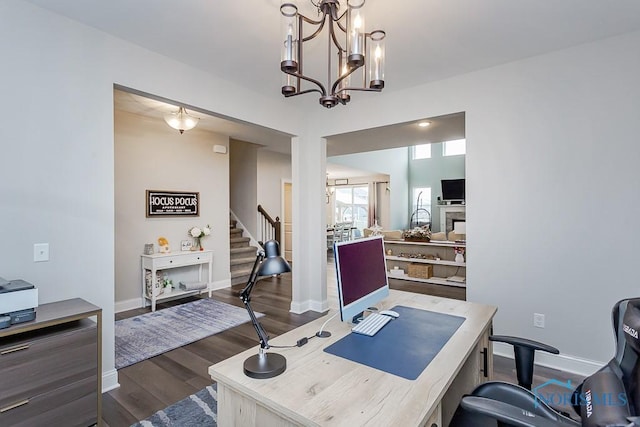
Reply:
x=523, y=342
x=524, y=351
x=503, y=412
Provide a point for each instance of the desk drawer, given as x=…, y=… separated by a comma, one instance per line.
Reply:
x=36, y=365
x=72, y=405
x=186, y=259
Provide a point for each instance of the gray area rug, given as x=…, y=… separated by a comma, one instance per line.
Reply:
x=200, y=409
x=141, y=337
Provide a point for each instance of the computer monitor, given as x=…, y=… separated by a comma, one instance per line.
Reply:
x=362, y=275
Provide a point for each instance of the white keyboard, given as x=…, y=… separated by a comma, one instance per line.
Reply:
x=371, y=324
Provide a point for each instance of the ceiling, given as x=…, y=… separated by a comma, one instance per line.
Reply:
x=153, y=107
x=427, y=40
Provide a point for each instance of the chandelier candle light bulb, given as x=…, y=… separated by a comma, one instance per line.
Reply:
x=356, y=56
x=289, y=44
x=376, y=60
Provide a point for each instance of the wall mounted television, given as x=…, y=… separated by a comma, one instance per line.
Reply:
x=453, y=189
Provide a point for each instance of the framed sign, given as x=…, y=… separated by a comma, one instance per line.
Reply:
x=186, y=245
x=172, y=203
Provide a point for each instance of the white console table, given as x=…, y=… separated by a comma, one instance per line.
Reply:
x=156, y=262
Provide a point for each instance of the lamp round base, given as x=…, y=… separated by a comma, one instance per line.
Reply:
x=323, y=334
x=267, y=365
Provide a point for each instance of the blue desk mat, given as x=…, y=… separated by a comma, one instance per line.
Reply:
x=404, y=346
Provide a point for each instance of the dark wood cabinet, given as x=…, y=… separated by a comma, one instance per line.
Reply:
x=51, y=367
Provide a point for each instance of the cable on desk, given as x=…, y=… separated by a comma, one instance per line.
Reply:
x=322, y=333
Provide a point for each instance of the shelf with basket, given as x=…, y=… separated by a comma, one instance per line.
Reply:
x=427, y=267
x=426, y=261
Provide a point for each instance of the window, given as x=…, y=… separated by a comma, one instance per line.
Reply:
x=454, y=148
x=422, y=151
x=421, y=207
x=352, y=205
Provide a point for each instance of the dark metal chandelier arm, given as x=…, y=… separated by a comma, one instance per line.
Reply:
x=360, y=89
x=316, y=32
x=288, y=95
x=322, y=90
x=337, y=21
x=341, y=78
x=336, y=42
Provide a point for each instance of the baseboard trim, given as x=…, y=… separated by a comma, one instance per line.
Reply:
x=317, y=306
x=563, y=362
x=110, y=380
x=221, y=284
x=137, y=302
x=130, y=304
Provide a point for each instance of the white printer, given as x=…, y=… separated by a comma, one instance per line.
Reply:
x=18, y=302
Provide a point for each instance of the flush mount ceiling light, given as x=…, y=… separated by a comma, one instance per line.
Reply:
x=424, y=124
x=347, y=42
x=180, y=120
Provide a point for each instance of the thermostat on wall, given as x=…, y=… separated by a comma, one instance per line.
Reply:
x=220, y=149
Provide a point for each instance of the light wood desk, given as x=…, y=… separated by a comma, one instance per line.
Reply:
x=320, y=389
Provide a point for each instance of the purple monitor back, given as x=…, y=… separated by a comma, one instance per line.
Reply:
x=362, y=275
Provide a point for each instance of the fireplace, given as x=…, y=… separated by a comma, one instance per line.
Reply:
x=449, y=214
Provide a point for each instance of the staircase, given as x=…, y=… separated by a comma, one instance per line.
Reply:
x=242, y=255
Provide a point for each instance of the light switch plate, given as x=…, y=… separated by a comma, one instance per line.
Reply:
x=40, y=252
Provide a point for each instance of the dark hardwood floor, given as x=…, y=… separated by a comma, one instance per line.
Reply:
x=156, y=383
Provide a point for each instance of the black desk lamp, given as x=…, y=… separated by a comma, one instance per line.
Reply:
x=268, y=263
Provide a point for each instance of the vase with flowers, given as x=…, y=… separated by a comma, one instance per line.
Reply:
x=198, y=233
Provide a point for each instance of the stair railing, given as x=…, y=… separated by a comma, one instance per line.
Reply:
x=269, y=228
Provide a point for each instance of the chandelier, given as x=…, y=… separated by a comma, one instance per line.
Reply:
x=347, y=42
x=181, y=120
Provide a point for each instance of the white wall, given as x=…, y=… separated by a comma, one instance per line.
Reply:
x=395, y=163
x=273, y=169
x=429, y=173
x=551, y=143
x=149, y=155
x=57, y=136
x=535, y=129
x=243, y=181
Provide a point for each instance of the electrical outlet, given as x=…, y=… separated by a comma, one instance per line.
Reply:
x=538, y=320
x=40, y=252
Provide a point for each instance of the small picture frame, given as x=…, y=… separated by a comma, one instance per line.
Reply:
x=186, y=245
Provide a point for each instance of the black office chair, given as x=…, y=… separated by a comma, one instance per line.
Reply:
x=503, y=404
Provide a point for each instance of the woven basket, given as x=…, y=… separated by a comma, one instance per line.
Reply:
x=420, y=271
